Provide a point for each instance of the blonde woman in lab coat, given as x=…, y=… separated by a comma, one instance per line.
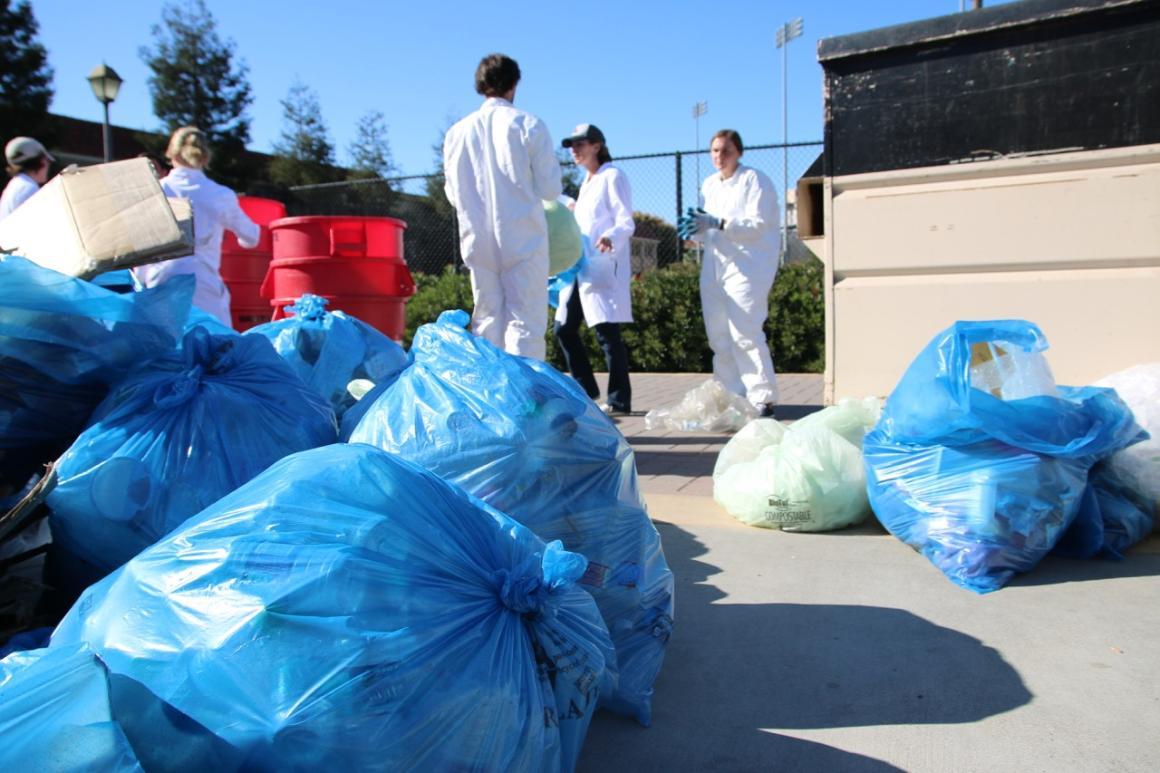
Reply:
x=215, y=209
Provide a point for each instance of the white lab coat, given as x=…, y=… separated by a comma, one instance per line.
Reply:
x=604, y=208
x=18, y=190
x=500, y=165
x=215, y=208
x=737, y=273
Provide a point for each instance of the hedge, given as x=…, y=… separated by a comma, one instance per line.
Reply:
x=668, y=335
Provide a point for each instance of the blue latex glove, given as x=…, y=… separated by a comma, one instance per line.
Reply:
x=696, y=221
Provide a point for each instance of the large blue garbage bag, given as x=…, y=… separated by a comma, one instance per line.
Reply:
x=525, y=439
x=63, y=341
x=347, y=610
x=986, y=481
x=328, y=350
x=176, y=436
x=55, y=714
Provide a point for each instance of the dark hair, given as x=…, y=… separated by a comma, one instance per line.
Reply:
x=604, y=156
x=732, y=136
x=496, y=75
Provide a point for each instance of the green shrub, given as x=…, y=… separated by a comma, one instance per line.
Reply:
x=434, y=294
x=668, y=335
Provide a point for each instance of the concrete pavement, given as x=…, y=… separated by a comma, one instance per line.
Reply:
x=849, y=651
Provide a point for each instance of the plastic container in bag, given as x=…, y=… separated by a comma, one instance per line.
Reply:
x=176, y=436
x=63, y=341
x=329, y=350
x=524, y=438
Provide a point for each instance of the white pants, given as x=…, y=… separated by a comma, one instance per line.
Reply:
x=735, y=307
x=511, y=307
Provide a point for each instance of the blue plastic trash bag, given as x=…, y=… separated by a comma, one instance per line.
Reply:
x=63, y=342
x=200, y=318
x=55, y=714
x=525, y=439
x=979, y=461
x=347, y=610
x=176, y=436
x=329, y=350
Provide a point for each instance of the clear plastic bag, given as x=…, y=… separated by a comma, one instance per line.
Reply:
x=709, y=407
x=808, y=477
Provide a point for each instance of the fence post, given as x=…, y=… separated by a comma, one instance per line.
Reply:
x=680, y=251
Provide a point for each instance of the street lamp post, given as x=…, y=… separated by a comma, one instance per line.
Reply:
x=699, y=109
x=106, y=83
x=785, y=33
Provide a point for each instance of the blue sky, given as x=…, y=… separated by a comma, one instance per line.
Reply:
x=634, y=68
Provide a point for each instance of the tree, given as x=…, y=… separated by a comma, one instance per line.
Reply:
x=25, y=77
x=370, y=153
x=196, y=82
x=304, y=155
x=570, y=174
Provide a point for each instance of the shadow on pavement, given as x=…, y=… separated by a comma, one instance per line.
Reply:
x=733, y=670
x=692, y=464
x=1056, y=571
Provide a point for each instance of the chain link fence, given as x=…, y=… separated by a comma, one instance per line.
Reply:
x=663, y=186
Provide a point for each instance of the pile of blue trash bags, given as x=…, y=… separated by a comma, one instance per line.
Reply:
x=457, y=583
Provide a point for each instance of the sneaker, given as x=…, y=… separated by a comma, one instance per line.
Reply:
x=612, y=410
x=765, y=411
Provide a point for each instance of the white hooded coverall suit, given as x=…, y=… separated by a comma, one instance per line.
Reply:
x=215, y=208
x=737, y=273
x=500, y=165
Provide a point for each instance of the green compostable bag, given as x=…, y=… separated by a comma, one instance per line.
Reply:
x=805, y=477
x=564, y=245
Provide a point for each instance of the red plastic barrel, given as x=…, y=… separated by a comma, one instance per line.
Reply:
x=354, y=262
x=244, y=269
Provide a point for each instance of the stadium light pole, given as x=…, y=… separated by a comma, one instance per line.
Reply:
x=699, y=109
x=106, y=83
x=785, y=33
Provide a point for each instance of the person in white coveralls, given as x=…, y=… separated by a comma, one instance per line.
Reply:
x=738, y=227
x=500, y=166
x=601, y=293
x=215, y=209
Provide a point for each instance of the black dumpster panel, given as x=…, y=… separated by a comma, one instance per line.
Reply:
x=942, y=91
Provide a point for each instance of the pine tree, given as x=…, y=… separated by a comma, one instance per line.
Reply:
x=370, y=153
x=25, y=77
x=197, y=81
x=304, y=155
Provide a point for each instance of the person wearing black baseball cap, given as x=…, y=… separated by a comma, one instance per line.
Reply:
x=28, y=165
x=601, y=292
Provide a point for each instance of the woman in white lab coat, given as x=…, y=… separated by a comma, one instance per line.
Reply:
x=739, y=228
x=601, y=293
x=215, y=209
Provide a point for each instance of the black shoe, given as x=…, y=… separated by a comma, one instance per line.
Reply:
x=613, y=410
x=765, y=411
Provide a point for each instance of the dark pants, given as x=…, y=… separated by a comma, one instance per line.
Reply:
x=615, y=355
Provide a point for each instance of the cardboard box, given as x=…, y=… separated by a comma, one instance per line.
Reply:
x=92, y=219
